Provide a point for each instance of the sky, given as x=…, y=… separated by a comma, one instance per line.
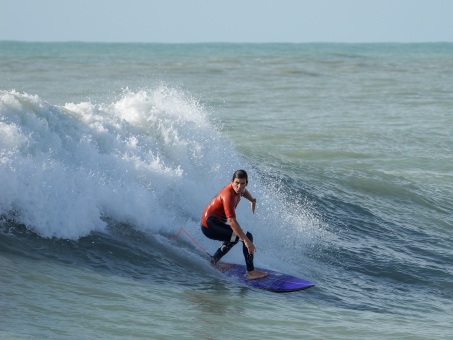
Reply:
x=191, y=21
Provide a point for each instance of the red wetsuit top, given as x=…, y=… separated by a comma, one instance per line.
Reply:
x=223, y=206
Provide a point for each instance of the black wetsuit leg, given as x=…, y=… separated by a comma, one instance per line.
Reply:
x=219, y=231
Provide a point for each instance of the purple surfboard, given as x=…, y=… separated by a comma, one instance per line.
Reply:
x=274, y=282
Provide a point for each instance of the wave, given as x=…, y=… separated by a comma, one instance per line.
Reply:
x=151, y=159
x=141, y=160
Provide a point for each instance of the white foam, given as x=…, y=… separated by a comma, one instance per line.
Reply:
x=145, y=160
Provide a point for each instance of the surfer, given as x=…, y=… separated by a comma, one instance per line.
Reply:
x=218, y=222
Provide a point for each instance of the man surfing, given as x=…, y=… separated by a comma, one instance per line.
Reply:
x=218, y=222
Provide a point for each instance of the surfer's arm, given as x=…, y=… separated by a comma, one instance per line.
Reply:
x=234, y=224
x=252, y=200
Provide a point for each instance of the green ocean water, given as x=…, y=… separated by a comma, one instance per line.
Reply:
x=106, y=150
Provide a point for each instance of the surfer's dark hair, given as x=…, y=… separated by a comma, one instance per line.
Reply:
x=240, y=174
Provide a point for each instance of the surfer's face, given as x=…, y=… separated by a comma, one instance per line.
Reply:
x=239, y=185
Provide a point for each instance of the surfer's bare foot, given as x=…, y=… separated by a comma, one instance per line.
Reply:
x=255, y=274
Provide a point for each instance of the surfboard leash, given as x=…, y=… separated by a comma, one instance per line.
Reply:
x=193, y=240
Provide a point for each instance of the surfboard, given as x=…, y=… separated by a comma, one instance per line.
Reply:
x=274, y=282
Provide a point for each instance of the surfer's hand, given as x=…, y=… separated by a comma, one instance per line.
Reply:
x=250, y=246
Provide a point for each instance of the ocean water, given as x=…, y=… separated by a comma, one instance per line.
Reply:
x=107, y=150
